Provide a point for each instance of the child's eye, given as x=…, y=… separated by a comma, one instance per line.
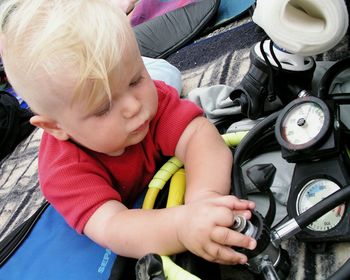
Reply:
x=136, y=82
x=104, y=111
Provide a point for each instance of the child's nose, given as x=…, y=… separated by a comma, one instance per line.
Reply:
x=131, y=107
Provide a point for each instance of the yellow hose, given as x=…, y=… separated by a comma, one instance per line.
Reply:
x=174, y=164
x=177, y=189
x=150, y=198
x=234, y=138
x=159, y=180
x=173, y=271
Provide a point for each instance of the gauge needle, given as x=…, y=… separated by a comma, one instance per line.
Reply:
x=339, y=210
x=303, y=120
x=308, y=112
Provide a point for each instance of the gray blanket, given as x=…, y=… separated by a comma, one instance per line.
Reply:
x=20, y=194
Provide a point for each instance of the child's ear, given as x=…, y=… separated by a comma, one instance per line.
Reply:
x=50, y=126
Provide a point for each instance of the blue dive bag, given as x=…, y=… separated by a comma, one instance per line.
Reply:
x=53, y=250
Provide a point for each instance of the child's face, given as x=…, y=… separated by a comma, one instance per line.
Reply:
x=110, y=129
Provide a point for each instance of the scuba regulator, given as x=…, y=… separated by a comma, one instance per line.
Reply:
x=307, y=129
x=274, y=78
x=309, y=132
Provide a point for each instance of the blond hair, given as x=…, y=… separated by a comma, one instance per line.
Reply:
x=44, y=38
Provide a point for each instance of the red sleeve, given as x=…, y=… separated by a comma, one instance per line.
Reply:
x=74, y=183
x=173, y=116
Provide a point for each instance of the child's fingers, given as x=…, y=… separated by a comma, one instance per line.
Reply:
x=245, y=213
x=234, y=203
x=224, y=255
x=228, y=237
x=251, y=204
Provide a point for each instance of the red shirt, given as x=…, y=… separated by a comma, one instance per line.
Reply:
x=78, y=181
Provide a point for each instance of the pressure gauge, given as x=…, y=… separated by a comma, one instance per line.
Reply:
x=303, y=123
x=311, y=183
x=313, y=192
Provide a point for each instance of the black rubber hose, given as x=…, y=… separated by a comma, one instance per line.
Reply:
x=242, y=149
x=330, y=75
x=267, y=143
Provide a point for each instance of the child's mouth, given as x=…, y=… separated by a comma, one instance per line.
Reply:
x=141, y=127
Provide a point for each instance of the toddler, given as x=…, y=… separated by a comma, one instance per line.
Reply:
x=108, y=127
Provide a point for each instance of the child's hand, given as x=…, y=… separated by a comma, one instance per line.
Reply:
x=204, y=229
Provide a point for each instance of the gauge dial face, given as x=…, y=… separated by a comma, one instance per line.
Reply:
x=303, y=123
x=313, y=192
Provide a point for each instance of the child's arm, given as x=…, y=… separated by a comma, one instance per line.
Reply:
x=201, y=228
x=208, y=165
x=207, y=159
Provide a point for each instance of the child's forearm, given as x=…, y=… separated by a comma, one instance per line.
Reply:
x=207, y=159
x=136, y=232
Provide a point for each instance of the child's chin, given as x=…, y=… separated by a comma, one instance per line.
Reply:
x=117, y=153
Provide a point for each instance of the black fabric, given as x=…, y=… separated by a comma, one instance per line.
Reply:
x=226, y=45
x=14, y=123
x=202, y=268
x=3, y=78
x=163, y=35
x=150, y=267
x=123, y=268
